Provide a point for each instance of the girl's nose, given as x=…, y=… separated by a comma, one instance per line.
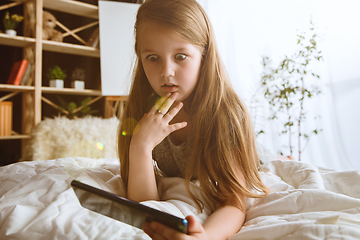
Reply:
x=167, y=69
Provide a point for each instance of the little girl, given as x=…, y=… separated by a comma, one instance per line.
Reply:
x=183, y=113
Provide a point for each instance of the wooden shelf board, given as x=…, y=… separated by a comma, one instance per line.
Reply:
x=16, y=41
x=71, y=91
x=73, y=7
x=11, y=88
x=52, y=46
x=68, y=48
x=14, y=137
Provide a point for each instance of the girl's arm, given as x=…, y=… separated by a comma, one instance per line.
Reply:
x=149, y=132
x=228, y=217
x=222, y=224
x=225, y=222
x=141, y=183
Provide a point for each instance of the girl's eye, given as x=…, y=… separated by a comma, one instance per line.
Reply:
x=180, y=57
x=152, y=58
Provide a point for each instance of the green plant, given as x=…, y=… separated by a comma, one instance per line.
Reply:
x=11, y=22
x=73, y=110
x=56, y=72
x=78, y=74
x=290, y=84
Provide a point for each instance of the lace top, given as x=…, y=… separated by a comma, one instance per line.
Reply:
x=172, y=159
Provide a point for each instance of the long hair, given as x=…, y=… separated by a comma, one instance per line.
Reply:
x=223, y=137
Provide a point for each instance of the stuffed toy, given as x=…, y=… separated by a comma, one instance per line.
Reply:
x=49, y=31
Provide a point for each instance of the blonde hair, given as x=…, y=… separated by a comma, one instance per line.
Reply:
x=223, y=137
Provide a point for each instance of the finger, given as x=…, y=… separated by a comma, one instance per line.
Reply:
x=174, y=111
x=160, y=232
x=171, y=114
x=193, y=225
x=165, y=106
x=160, y=102
x=149, y=231
x=177, y=126
x=153, y=234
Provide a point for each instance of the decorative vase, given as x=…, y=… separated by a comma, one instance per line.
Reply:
x=78, y=84
x=57, y=83
x=10, y=32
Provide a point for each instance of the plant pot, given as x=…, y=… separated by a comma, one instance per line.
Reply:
x=6, y=118
x=10, y=32
x=57, y=83
x=78, y=84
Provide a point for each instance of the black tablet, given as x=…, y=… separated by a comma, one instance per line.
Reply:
x=122, y=209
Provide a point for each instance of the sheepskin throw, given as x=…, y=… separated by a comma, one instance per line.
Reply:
x=61, y=137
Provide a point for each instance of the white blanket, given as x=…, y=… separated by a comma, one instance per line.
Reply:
x=37, y=202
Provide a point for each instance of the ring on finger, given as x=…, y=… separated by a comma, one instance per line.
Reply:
x=161, y=112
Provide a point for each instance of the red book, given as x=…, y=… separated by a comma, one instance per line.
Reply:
x=17, y=72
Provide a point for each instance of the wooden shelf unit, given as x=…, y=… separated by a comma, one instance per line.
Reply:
x=32, y=95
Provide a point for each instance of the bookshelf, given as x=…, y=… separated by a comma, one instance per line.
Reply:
x=34, y=47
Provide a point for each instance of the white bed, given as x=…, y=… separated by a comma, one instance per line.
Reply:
x=37, y=202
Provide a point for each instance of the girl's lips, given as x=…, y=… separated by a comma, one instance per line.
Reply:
x=169, y=89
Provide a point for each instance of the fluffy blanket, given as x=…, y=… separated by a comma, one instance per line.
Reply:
x=61, y=137
x=37, y=202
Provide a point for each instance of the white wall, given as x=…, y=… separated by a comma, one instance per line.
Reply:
x=117, y=40
x=246, y=30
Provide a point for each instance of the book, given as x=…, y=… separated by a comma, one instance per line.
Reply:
x=30, y=78
x=6, y=115
x=17, y=72
x=94, y=39
x=26, y=75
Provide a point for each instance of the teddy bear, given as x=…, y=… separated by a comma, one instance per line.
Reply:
x=49, y=32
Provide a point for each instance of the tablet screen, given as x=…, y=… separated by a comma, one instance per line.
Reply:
x=123, y=209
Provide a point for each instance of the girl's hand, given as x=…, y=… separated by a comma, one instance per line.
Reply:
x=154, y=126
x=159, y=231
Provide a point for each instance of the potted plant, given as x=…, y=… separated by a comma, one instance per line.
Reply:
x=56, y=76
x=11, y=22
x=72, y=110
x=290, y=85
x=78, y=78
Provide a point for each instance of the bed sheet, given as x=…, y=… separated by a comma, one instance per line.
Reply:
x=37, y=202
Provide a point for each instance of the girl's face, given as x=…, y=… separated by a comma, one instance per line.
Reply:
x=171, y=63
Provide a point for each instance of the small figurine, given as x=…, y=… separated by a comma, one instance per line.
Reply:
x=49, y=31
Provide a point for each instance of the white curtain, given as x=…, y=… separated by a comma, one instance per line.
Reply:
x=247, y=30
